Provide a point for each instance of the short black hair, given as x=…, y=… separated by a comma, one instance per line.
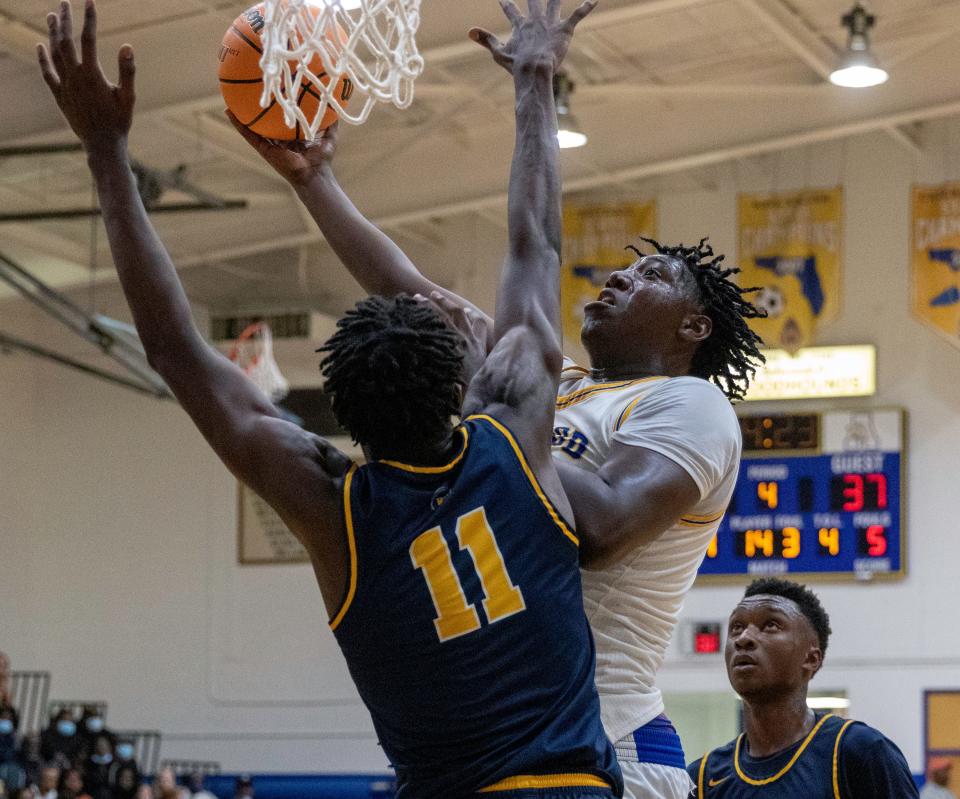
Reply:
x=393, y=370
x=802, y=597
x=729, y=356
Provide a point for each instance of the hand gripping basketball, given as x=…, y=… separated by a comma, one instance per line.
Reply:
x=99, y=112
x=541, y=39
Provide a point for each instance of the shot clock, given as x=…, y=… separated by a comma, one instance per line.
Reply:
x=819, y=494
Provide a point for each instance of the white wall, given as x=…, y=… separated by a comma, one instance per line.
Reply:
x=118, y=564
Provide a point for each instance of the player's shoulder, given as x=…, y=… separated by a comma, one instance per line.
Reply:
x=715, y=767
x=861, y=741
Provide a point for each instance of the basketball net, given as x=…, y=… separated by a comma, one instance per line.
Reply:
x=253, y=352
x=378, y=55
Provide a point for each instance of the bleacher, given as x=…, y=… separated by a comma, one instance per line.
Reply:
x=30, y=691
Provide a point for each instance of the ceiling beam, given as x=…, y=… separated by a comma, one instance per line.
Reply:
x=668, y=166
x=794, y=32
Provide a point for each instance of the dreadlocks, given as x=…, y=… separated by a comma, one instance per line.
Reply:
x=392, y=370
x=730, y=355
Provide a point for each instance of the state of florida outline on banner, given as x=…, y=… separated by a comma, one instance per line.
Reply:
x=936, y=258
x=790, y=245
x=594, y=244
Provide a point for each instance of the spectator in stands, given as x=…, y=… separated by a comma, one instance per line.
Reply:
x=165, y=785
x=92, y=725
x=243, y=788
x=125, y=759
x=195, y=784
x=71, y=785
x=49, y=782
x=31, y=760
x=11, y=772
x=28, y=792
x=126, y=782
x=6, y=688
x=96, y=768
x=59, y=743
x=938, y=778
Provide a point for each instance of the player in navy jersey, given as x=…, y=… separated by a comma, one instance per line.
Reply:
x=776, y=640
x=446, y=563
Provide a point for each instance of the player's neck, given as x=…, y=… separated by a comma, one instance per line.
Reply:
x=607, y=367
x=428, y=453
x=772, y=726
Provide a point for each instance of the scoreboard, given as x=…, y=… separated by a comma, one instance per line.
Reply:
x=819, y=495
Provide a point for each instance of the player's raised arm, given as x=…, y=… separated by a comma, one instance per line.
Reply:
x=291, y=469
x=523, y=370
x=376, y=261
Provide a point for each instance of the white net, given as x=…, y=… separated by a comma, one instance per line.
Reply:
x=253, y=353
x=366, y=48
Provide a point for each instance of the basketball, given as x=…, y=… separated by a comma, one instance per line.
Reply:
x=241, y=82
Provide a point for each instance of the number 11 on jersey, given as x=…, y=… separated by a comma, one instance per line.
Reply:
x=430, y=554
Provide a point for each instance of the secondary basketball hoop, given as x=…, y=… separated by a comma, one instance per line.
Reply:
x=253, y=352
x=369, y=43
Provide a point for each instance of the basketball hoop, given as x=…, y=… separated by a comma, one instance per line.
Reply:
x=253, y=352
x=373, y=46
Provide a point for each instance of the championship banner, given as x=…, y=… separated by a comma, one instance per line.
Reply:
x=594, y=242
x=790, y=246
x=936, y=258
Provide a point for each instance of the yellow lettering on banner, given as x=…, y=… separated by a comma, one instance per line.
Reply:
x=454, y=616
x=791, y=542
x=712, y=549
x=503, y=598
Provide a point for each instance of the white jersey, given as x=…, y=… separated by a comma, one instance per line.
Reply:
x=633, y=606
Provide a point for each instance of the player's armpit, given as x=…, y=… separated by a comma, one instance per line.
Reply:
x=631, y=501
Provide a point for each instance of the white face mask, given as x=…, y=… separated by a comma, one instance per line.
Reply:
x=95, y=724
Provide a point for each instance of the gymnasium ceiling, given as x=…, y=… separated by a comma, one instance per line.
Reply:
x=663, y=87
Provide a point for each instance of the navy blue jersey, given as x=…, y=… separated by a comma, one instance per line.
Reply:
x=464, y=628
x=838, y=760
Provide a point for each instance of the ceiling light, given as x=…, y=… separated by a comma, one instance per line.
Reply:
x=569, y=132
x=859, y=68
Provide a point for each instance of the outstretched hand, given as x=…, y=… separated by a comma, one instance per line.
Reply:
x=296, y=161
x=540, y=39
x=99, y=112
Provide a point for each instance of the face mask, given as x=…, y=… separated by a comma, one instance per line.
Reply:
x=66, y=728
x=95, y=724
x=125, y=751
x=101, y=760
x=6, y=727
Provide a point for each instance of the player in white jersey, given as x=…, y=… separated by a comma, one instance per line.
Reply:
x=658, y=445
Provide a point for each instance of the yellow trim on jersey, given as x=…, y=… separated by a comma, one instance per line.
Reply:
x=625, y=414
x=532, y=781
x=566, y=400
x=575, y=368
x=432, y=469
x=701, y=793
x=530, y=476
x=701, y=521
x=786, y=768
x=352, y=544
x=836, y=760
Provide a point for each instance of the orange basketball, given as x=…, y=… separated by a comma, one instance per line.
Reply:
x=241, y=82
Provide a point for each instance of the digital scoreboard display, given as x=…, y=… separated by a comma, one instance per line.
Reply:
x=819, y=494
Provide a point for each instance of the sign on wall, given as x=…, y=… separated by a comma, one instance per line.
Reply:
x=594, y=242
x=936, y=258
x=816, y=373
x=262, y=535
x=790, y=246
